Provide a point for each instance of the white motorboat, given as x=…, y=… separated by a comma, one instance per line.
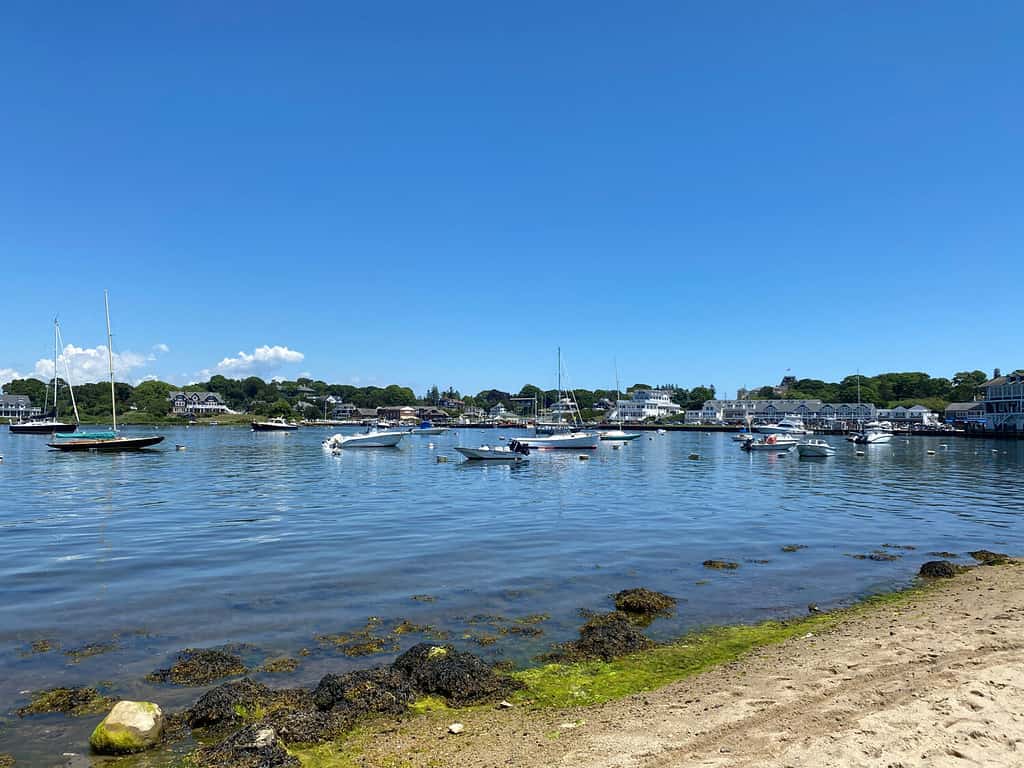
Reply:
x=618, y=434
x=515, y=451
x=815, y=449
x=276, y=424
x=427, y=428
x=370, y=439
x=564, y=440
x=872, y=436
x=777, y=443
x=791, y=425
x=742, y=437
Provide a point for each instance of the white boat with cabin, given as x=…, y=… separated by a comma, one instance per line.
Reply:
x=816, y=449
x=371, y=438
x=791, y=425
x=516, y=451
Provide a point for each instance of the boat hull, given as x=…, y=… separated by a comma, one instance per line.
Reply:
x=776, y=447
x=618, y=434
x=373, y=440
x=107, y=445
x=42, y=428
x=264, y=426
x=578, y=440
x=815, y=451
x=484, y=453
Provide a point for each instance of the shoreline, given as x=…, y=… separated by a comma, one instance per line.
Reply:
x=570, y=712
x=933, y=675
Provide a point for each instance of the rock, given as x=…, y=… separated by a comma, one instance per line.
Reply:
x=456, y=728
x=255, y=746
x=937, y=569
x=6, y=761
x=131, y=726
x=505, y=704
x=985, y=557
x=229, y=702
x=813, y=608
x=279, y=665
x=644, y=602
x=70, y=701
x=721, y=565
x=199, y=666
x=605, y=636
x=382, y=689
x=794, y=547
x=308, y=725
x=460, y=677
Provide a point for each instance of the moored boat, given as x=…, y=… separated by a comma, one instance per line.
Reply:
x=816, y=449
x=791, y=425
x=515, y=451
x=42, y=427
x=427, y=428
x=618, y=434
x=50, y=423
x=277, y=424
x=372, y=438
x=777, y=443
x=584, y=440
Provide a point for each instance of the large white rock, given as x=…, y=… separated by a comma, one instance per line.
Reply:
x=131, y=726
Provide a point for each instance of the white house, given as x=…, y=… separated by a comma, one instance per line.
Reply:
x=18, y=407
x=196, y=403
x=916, y=414
x=646, y=404
x=768, y=411
x=1003, y=397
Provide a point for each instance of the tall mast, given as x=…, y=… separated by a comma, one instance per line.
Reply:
x=67, y=378
x=110, y=360
x=55, y=369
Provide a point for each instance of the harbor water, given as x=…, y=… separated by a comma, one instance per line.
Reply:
x=111, y=563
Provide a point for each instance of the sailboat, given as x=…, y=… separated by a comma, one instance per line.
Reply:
x=106, y=441
x=618, y=434
x=51, y=423
x=575, y=437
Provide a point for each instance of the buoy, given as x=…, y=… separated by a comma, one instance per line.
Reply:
x=931, y=453
x=430, y=446
x=501, y=437
x=584, y=457
x=860, y=453
x=694, y=456
x=442, y=459
x=616, y=447
x=179, y=447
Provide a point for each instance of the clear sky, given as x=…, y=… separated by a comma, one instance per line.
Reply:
x=425, y=193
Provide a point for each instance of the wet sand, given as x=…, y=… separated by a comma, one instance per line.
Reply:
x=935, y=681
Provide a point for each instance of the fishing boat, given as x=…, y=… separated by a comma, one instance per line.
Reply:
x=515, y=451
x=276, y=424
x=106, y=443
x=815, y=449
x=371, y=438
x=51, y=423
x=427, y=428
x=777, y=443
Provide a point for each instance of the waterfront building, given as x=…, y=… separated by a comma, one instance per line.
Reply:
x=693, y=417
x=343, y=410
x=769, y=411
x=18, y=407
x=364, y=414
x=397, y=412
x=967, y=413
x=1003, y=398
x=452, y=403
x=916, y=414
x=646, y=404
x=196, y=403
x=498, y=411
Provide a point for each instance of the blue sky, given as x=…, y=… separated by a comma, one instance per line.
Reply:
x=443, y=193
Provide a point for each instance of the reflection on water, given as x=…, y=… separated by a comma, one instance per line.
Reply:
x=266, y=539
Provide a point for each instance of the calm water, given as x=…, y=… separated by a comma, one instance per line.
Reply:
x=266, y=540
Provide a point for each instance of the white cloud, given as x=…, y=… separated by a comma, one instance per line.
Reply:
x=89, y=364
x=262, y=362
x=162, y=348
x=9, y=374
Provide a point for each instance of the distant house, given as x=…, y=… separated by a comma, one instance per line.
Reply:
x=693, y=417
x=498, y=411
x=364, y=414
x=973, y=412
x=646, y=404
x=917, y=414
x=770, y=411
x=1003, y=398
x=452, y=404
x=397, y=412
x=196, y=403
x=430, y=413
x=304, y=391
x=18, y=407
x=343, y=410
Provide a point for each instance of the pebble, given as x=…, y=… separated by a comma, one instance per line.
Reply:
x=505, y=705
x=456, y=728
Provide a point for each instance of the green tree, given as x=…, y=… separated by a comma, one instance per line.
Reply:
x=151, y=397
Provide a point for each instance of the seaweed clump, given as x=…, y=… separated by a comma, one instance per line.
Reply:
x=938, y=569
x=71, y=701
x=644, y=602
x=199, y=666
x=459, y=677
x=987, y=557
x=382, y=689
x=721, y=565
x=605, y=636
x=230, y=702
x=255, y=746
x=6, y=761
x=282, y=664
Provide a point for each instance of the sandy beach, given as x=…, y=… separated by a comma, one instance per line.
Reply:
x=937, y=680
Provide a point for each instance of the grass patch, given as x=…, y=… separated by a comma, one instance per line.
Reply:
x=595, y=682
x=429, y=704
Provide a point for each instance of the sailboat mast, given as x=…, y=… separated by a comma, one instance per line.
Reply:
x=67, y=377
x=110, y=360
x=55, y=369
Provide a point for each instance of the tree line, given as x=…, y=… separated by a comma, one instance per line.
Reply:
x=254, y=395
